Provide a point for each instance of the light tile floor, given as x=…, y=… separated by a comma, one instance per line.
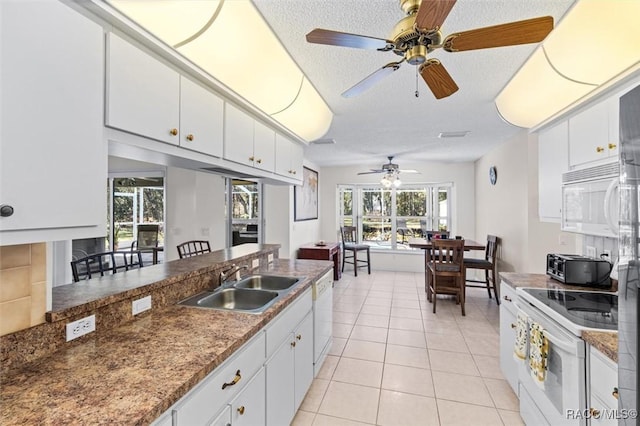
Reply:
x=394, y=362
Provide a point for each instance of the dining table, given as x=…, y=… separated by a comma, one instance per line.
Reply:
x=427, y=245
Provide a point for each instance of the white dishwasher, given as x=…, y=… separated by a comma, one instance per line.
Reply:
x=322, y=319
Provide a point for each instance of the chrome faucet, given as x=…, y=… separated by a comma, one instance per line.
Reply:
x=228, y=273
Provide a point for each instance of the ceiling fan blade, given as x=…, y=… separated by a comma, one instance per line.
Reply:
x=432, y=14
x=371, y=79
x=337, y=38
x=408, y=171
x=438, y=79
x=372, y=172
x=513, y=33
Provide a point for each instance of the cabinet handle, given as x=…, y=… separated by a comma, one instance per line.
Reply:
x=173, y=131
x=294, y=172
x=612, y=146
x=234, y=381
x=299, y=337
x=599, y=149
x=513, y=325
x=251, y=158
x=615, y=393
x=6, y=210
x=190, y=137
x=293, y=344
x=507, y=298
x=241, y=409
x=259, y=160
x=594, y=413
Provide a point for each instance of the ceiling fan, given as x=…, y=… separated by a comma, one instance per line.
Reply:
x=418, y=34
x=389, y=168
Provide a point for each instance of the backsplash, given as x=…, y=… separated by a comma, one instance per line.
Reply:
x=23, y=286
x=600, y=244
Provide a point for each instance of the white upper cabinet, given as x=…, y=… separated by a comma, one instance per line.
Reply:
x=142, y=93
x=201, y=118
x=238, y=136
x=553, y=160
x=264, y=147
x=53, y=166
x=593, y=133
x=289, y=158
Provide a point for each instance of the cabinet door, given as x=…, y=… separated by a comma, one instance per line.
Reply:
x=248, y=407
x=303, y=336
x=264, y=147
x=553, y=160
x=142, y=93
x=238, y=136
x=589, y=135
x=297, y=154
x=201, y=118
x=280, y=384
x=508, y=336
x=283, y=156
x=53, y=162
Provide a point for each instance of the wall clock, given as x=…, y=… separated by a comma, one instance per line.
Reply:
x=493, y=175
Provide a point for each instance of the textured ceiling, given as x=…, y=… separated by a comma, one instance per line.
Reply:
x=389, y=119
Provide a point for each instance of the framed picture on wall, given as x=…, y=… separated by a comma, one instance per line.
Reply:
x=305, y=196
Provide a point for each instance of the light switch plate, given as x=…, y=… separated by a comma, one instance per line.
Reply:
x=141, y=305
x=81, y=327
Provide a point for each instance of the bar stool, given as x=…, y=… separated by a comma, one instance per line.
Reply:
x=349, y=244
x=193, y=248
x=488, y=264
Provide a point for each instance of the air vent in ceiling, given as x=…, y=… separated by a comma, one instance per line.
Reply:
x=323, y=142
x=459, y=134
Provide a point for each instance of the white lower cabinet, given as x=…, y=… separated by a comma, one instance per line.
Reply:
x=224, y=418
x=508, y=316
x=603, y=388
x=248, y=408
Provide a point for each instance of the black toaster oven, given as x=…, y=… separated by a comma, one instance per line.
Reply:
x=579, y=270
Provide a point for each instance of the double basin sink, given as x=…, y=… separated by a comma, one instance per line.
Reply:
x=253, y=294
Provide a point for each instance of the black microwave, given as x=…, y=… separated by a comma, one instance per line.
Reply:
x=579, y=270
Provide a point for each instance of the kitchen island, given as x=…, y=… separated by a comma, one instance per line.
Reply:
x=134, y=372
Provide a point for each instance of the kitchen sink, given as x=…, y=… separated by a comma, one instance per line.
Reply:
x=233, y=299
x=267, y=282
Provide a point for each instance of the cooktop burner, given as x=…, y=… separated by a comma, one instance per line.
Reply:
x=596, y=310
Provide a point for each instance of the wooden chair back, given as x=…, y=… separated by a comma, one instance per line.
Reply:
x=349, y=235
x=193, y=248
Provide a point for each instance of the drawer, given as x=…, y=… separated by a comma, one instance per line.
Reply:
x=606, y=415
x=603, y=377
x=507, y=297
x=208, y=398
x=287, y=320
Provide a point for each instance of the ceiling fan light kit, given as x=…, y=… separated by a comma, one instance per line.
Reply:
x=418, y=34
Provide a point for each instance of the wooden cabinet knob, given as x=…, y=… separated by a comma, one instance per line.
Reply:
x=173, y=131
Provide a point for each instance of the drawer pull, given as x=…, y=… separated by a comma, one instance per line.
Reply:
x=173, y=132
x=241, y=409
x=293, y=344
x=299, y=337
x=513, y=325
x=615, y=393
x=259, y=160
x=190, y=137
x=234, y=381
x=599, y=149
x=252, y=158
x=594, y=413
x=507, y=298
x=612, y=146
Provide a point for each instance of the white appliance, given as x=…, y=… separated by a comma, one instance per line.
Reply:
x=590, y=200
x=561, y=398
x=322, y=292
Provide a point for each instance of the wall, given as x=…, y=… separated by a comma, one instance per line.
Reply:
x=23, y=288
x=509, y=209
x=463, y=204
x=194, y=208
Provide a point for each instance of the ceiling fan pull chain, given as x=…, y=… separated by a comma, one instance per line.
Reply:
x=417, y=92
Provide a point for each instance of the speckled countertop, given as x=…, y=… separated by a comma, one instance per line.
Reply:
x=135, y=372
x=605, y=342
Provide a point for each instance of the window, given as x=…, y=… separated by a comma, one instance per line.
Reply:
x=245, y=211
x=387, y=217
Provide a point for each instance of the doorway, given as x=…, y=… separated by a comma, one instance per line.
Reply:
x=245, y=211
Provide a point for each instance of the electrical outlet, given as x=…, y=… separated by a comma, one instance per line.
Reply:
x=591, y=251
x=607, y=254
x=141, y=305
x=81, y=327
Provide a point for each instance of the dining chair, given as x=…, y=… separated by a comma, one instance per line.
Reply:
x=105, y=263
x=350, y=244
x=147, y=237
x=403, y=230
x=488, y=264
x=193, y=248
x=446, y=269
